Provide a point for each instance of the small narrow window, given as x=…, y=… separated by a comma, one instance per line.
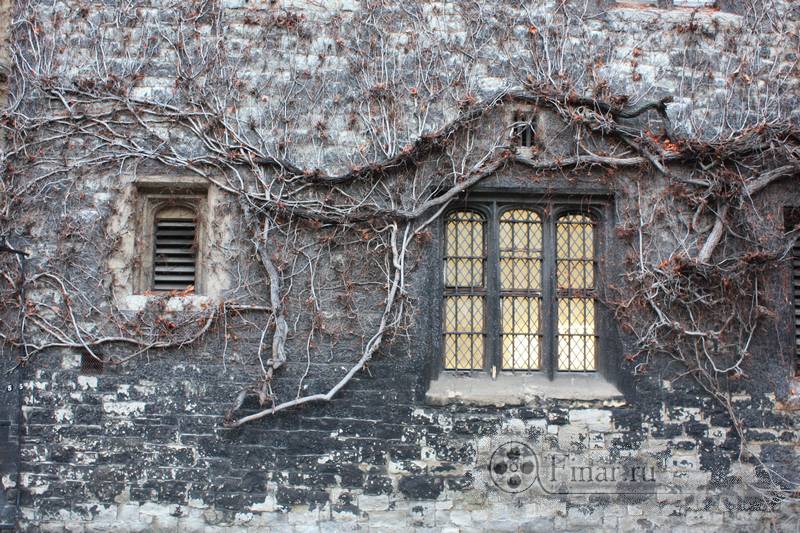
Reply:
x=90, y=364
x=174, y=249
x=523, y=131
x=791, y=217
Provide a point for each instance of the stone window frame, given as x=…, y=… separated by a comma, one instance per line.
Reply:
x=152, y=199
x=519, y=387
x=129, y=225
x=791, y=220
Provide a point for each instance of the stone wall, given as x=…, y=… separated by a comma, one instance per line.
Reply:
x=142, y=447
x=142, y=450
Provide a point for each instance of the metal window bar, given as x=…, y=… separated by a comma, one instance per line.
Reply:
x=520, y=271
x=576, y=342
x=175, y=254
x=464, y=306
x=796, y=293
x=791, y=216
x=524, y=134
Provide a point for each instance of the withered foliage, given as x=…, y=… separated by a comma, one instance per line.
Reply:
x=336, y=250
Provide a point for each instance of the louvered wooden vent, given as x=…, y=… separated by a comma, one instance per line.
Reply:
x=175, y=259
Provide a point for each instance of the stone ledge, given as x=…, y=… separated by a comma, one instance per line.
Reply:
x=175, y=304
x=518, y=389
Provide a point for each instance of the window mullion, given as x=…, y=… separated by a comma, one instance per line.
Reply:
x=549, y=297
x=494, y=349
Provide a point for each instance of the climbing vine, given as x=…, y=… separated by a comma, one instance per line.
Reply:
x=395, y=100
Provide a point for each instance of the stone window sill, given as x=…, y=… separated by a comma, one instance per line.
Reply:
x=518, y=389
x=175, y=304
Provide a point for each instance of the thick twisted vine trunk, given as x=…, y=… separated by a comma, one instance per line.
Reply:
x=399, y=244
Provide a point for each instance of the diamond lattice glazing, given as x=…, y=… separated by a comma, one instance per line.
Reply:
x=577, y=342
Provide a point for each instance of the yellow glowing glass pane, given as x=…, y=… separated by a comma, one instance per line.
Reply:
x=588, y=239
x=463, y=320
x=520, y=250
x=451, y=239
x=464, y=250
x=577, y=344
x=520, y=333
x=575, y=252
x=575, y=274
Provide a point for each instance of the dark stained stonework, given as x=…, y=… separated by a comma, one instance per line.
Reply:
x=143, y=446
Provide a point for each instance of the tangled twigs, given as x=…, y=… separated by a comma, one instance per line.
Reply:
x=389, y=318
x=82, y=340
x=327, y=224
x=278, y=317
x=5, y=247
x=752, y=186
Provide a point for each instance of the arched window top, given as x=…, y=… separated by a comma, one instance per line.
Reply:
x=576, y=218
x=520, y=244
x=180, y=212
x=465, y=249
x=520, y=215
x=465, y=216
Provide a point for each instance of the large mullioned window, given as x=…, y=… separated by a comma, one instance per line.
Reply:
x=519, y=289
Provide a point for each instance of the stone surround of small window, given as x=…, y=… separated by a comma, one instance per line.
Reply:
x=145, y=265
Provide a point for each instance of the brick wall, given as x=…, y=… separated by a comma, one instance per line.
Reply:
x=142, y=447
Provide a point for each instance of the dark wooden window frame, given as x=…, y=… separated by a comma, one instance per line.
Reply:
x=490, y=204
x=791, y=220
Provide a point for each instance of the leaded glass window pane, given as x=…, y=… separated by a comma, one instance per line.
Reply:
x=577, y=342
x=520, y=271
x=521, y=336
x=519, y=290
x=463, y=314
x=464, y=250
x=463, y=332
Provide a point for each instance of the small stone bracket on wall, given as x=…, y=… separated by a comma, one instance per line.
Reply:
x=792, y=402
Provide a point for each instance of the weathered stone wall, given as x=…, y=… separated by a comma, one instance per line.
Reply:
x=141, y=446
